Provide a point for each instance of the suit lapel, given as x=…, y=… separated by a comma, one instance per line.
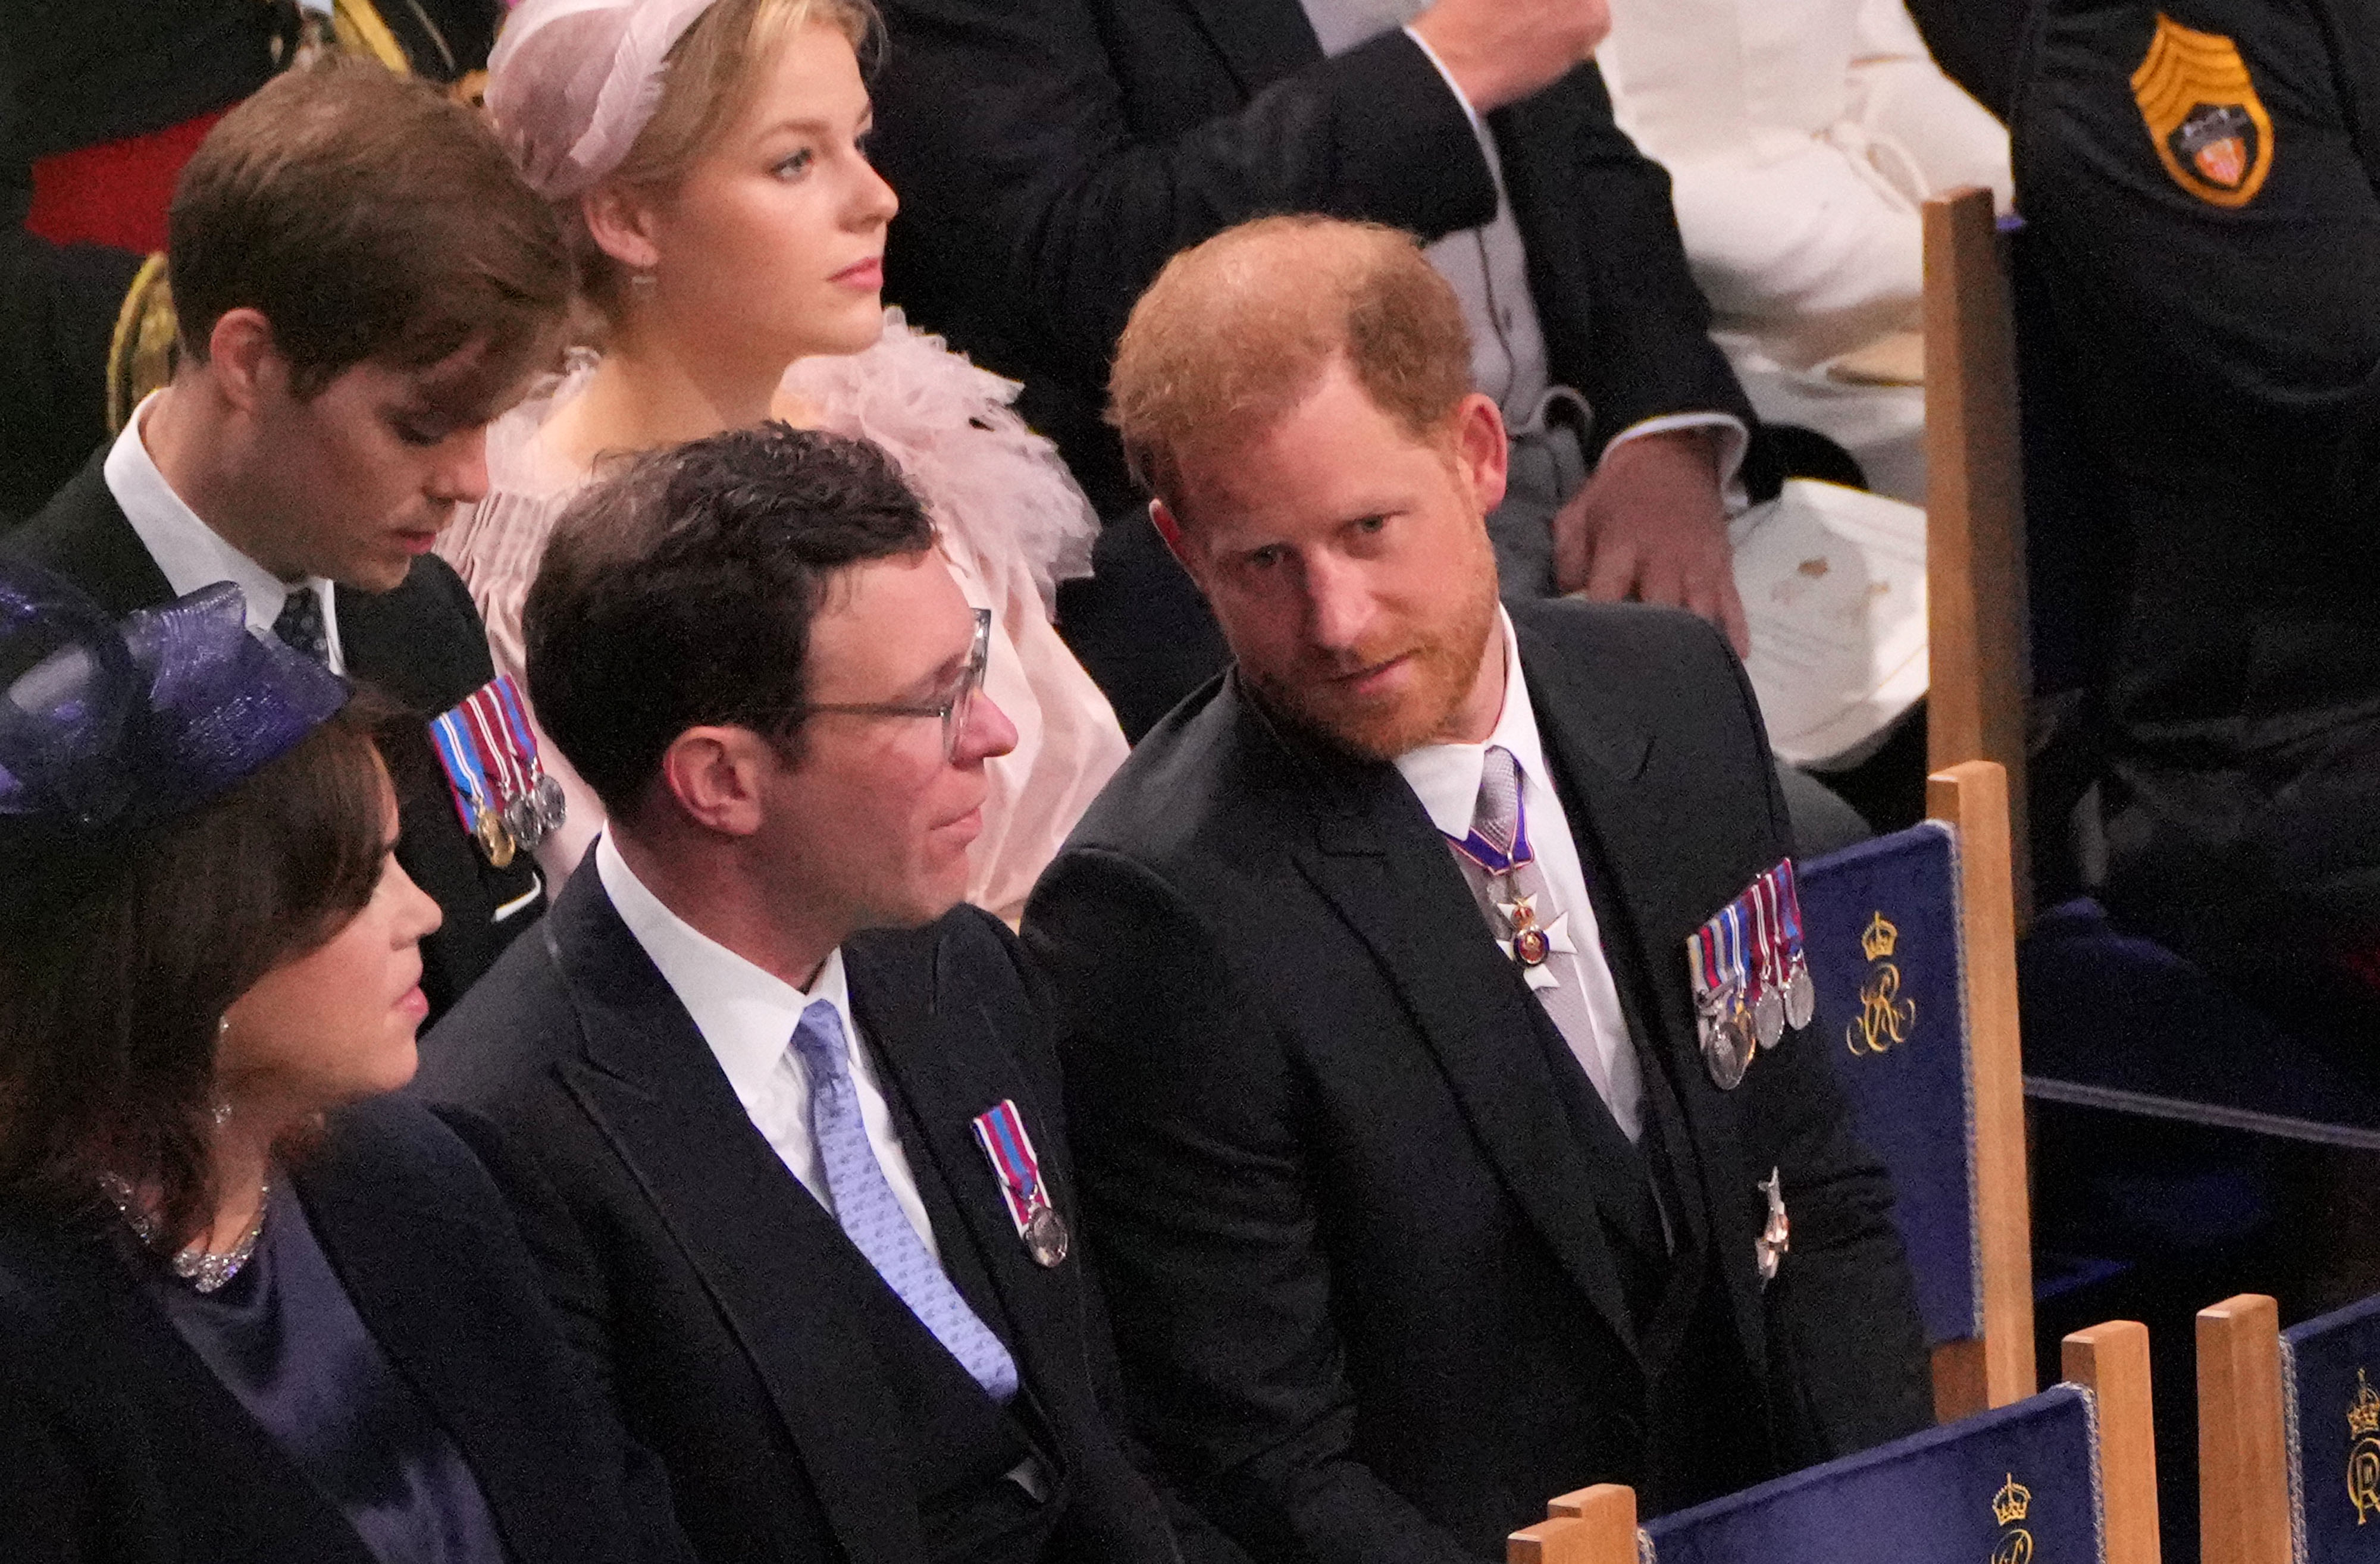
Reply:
x=1373, y=855
x=1262, y=40
x=1604, y=765
x=367, y=1236
x=83, y=534
x=772, y=1260
x=938, y=1049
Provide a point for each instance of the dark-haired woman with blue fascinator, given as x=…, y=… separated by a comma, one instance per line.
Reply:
x=251, y=1308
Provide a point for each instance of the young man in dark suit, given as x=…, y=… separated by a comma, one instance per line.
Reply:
x=362, y=282
x=803, y=1116
x=1051, y=154
x=1419, y=1201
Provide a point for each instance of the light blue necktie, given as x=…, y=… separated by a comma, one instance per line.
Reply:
x=872, y=1217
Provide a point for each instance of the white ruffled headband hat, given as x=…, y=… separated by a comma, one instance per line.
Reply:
x=572, y=82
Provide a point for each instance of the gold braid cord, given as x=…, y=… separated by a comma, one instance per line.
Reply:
x=140, y=355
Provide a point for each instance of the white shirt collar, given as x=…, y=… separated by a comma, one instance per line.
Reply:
x=1445, y=777
x=746, y=1014
x=188, y=553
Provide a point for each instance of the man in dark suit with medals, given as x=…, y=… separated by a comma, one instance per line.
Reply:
x=364, y=283
x=1429, y=1182
x=815, y=1212
x=2201, y=185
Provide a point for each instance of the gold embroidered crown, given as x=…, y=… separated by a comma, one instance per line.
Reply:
x=2009, y=1504
x=1880, y=937
x=2363, y=1412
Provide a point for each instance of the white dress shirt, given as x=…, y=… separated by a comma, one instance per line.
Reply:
x=746, y=1016
x=190, y=553
x=1445, y=777
x=1488, y=269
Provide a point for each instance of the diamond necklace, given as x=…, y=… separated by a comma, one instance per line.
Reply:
x=206, y=1270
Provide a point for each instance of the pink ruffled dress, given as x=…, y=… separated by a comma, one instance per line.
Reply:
x=1013, y=526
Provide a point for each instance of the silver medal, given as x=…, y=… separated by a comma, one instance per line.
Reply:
x=1727, y=1040
x=551, y=807
x=1045, y=1237
x=1768, y=1016
x=1800, y=994
x=524, y=821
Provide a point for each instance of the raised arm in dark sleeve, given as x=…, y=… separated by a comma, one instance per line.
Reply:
x=1051, y=158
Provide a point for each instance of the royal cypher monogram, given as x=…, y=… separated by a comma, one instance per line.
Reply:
x=1885, y=1018
x=2363, y=1455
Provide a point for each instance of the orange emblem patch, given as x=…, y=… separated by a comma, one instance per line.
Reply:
x=2209, y=127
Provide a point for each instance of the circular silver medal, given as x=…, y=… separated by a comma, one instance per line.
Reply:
x=1045, y=1237
x=1768, y=1016
x=1801, y=995
x=527, y=826
x=1727, y=1047
x=551, y=807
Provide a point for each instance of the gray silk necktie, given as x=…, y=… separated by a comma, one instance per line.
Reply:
x=1520, y=900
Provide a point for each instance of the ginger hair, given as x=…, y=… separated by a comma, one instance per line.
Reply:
x=1236, y=331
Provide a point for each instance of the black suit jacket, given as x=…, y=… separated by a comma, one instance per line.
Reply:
x=725, y=1304
x=116, y=1441
x=1051, y=154
x=1366, y=1305
x=422, y=644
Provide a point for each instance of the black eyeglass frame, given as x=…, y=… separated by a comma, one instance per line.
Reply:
x=955, y=704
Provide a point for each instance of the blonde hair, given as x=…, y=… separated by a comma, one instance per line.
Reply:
x=708, y=78
x=1237, y=331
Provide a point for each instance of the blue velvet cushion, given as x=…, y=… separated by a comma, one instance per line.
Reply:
x=2328, y=1371
x=1882, y=929
x=2019, y=1486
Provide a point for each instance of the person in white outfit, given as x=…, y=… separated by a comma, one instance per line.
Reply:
x=1801, y=138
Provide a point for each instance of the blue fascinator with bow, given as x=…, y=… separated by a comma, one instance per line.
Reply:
x=108, y=727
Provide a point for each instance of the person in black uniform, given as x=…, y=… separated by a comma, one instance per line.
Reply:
x=2200, y=178
x=100, y=104
x=364, y=283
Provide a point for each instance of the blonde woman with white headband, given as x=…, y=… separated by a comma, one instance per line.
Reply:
x=710, y=157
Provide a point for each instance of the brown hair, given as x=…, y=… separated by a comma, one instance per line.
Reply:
x=371, y=220
x=679, y=590
x=710, y=77
x=1237, y=331
x=112, y=986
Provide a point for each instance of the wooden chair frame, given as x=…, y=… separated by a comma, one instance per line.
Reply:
x=1979, y=640
x=2243, y=1473
x=1998, y=1368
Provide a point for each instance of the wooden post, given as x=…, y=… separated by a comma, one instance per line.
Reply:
x=1595, y=1525
x=1974, y=799
x=1550, y=1542
x=2243, y=1482
x=1979, y=644
x=2113, y=1360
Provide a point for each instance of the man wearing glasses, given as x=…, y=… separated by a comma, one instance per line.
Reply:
x=780, y=1115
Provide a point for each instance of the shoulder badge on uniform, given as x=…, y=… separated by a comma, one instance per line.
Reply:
x=2209, y=127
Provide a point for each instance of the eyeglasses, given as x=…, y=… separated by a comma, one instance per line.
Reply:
x=953, y=703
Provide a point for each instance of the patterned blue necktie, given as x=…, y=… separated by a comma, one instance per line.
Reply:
x=872, y=1217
